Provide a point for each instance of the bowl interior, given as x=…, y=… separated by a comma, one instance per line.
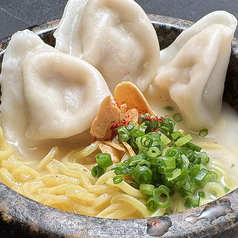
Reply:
x=22, y=216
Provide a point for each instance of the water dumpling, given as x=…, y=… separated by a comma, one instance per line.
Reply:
x=47, y=94
x=114, y=36
x=193, y=68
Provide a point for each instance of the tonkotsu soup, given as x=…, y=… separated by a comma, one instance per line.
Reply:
x=110, y=125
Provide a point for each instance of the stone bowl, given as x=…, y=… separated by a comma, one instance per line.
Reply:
x=23, y=217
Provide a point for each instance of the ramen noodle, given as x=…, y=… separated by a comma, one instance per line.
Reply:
x=67, y=184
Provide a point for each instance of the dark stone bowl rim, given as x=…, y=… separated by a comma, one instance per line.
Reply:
x=22, y=216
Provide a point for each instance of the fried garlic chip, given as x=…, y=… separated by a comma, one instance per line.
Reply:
x=127, y=105
x=114, y=152
x=108, y=113
x=127, y=93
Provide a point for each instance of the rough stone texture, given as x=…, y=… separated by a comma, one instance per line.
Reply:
x=23, y=217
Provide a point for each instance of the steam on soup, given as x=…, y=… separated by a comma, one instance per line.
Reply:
x=107, y=76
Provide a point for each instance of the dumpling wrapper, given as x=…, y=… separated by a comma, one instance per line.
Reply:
x=193, y=69
x=114, y=36
x=47, y=94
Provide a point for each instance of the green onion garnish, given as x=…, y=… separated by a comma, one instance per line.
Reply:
x=158, y=194
x=169, y=108
x=177, y=117
x=190, y=203
x=97, y=171
x=117, y=179
x=147, y=189
x=104, y=160
x=183, y=140
x=226, y=189
x=203, y=133
x=152, y=205
x=142, y=174
x=165, y=162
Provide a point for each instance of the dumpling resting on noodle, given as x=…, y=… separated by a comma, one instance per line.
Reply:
x=47, y=94
x=114, y=36
x=193, y=68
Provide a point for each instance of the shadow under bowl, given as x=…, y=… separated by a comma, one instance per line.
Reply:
x=23, y=217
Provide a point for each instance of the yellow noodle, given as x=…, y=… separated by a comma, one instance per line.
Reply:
x=6, y=151
x=65, y=184
x=48, y=158
x=51, y=180
x=60, y=202
x=103, y=179
x=102, y=201
x=127, y=188
x=135, y=203
x=2, y=140
x=80, y=195
x=177, y=203
x=30, y=189
x=85, y=182
x=101, y=189
x=120, y=211
x=6, y=177
x=33, y=187
x=11, y=163
x=79, y=167
x=17, y=188
x=24, y=173
x=52, y=168
x=83, y=153
x=61, y=189
x=109, y=210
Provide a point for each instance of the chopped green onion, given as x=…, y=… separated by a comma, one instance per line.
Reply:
x=142, y=174
x=162, y=190
x=144, y=142
x=117, y=179
x=201, y=194
x=168, y=108
x=147, y=189
x=176, y=135
x=123, y=133
x=142, y=127
x=165, y=139
x=202, y=177
x=104, y=160
x=169, y=162
x=194, y=170
x=153, y=152
x=203, y=133
x=152, y=205
x=136, y=133
x=226, y=189
x=192, y=146
x=175, y=174
x=135, y=185
x=190, y=203
x=177, y=117
x=183, y=140
x=203, y=157
x=134, y=160
x=165, y=162
x=97, y=171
